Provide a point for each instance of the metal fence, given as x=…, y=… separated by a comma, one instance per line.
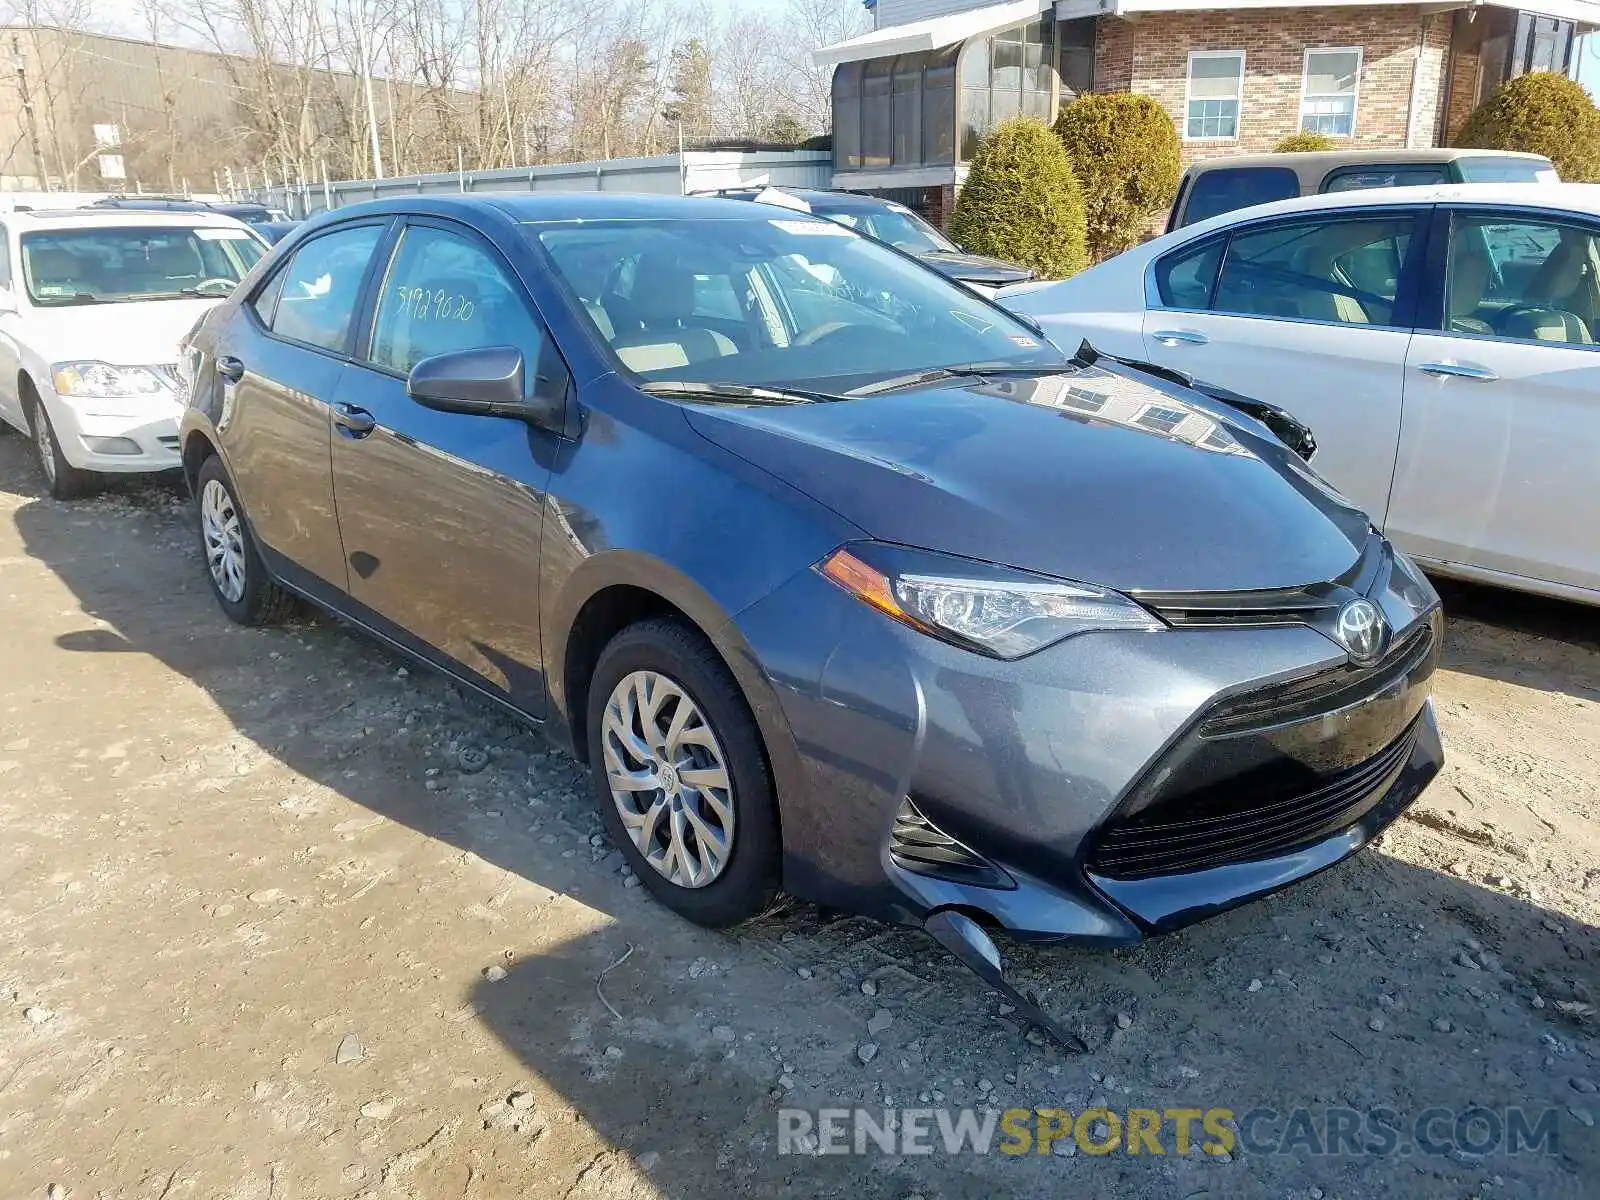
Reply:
x=663, y=174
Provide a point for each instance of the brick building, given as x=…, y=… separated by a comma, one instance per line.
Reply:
x=912, y=98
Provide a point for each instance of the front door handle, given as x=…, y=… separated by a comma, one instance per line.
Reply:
x=356, y=422
x=230, y=368
x=1457, y=370
x=1173, y=337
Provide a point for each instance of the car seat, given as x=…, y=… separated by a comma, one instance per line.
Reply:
x=1465, y=285
x=662, y=302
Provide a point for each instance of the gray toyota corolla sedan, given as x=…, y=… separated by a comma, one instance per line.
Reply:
x=843, y=580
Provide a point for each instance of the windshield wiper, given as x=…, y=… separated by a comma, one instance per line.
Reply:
x=735, y=393
x=969, y=371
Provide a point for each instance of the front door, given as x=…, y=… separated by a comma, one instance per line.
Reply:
x=1500, y=448
x=279, y=364
x=1311, y=314
x=441, y=512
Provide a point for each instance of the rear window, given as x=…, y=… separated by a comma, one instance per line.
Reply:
x=1228, y=188
x=1355, y=179
x=1507, y=170
x=100, y=265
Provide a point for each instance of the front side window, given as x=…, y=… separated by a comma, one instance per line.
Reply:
x=1532, y=280
x=1227, y=188
x=1343, y=269
x=1328, y=92
x=113, y=265
x=316, y=302
x=444, y=293
x=805, y=303
x=1216, y=85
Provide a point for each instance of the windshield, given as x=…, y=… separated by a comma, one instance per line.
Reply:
x=786, y=301
x=1476, y=169
x=112, y=265
x=903, y=230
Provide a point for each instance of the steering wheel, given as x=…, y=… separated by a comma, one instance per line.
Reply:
x=812, y=336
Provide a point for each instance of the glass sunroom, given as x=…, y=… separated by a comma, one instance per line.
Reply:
x=913, y=118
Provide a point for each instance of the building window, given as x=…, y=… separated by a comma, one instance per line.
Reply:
x=1010, y=74
x=847, y=116
x=939, y=107
x=876, y=142
x=1541, y=44
x=1216, y=83
x=1328, y=92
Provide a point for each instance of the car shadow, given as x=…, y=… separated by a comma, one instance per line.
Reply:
x=1514, y=637
x=679, y=1046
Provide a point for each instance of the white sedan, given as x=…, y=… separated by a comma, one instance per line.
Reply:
x=1439, y=341
x=93, y=303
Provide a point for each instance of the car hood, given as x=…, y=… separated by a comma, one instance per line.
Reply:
x=1089, y=475
x=974, y=268
x=138, y=333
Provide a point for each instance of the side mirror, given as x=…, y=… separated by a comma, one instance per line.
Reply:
x=486, y=382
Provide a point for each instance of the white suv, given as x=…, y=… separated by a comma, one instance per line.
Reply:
x=92, y=307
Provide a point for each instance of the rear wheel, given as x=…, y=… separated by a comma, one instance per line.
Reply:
x=681, y=776
x=65, y=481
x=234, y=568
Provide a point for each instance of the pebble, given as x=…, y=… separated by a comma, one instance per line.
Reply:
x=1581, y=1115
x=613, y=1051
x=1580, y=1084
x=38, y=1014
x=1466, y=960
x=632, y=881
x=1124, y=1021
x=722, y=1033
x=1315, y=1193
x=1255, y=986
x=647, y=1161
x=377, y=1110
x=880, y=1021
x=1458, y=868
x=786, y=1082
x=1442, y=1025
x=866, y=1052
x=1007, y=1009
x=985, y=1087
x=521, y=1101
x=804, y=972
x=1376, y=1024
x=1385, y=1000
x=597, y=840
x=1010, y=1076
x=471, y=759
x=56, y=1192
x=350, y=1050
x=495, y=973
x=869, y=988
x=1538, y=1000
x=264, y=896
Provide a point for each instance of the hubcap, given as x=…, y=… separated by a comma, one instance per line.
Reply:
x=668, y=779
x=45, y=443
x=219, y=525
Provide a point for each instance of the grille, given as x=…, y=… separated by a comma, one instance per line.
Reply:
x=1194, y=833
x=170, y=441
x=1322, y=692
x=920, y=846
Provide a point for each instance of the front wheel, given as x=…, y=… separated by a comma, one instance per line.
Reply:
x=66, y=482
x=680, y=774
x=234, y=568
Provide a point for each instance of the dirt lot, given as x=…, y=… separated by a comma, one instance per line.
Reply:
x=262, y=936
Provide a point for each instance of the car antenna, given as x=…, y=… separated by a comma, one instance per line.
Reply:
x=976, y=950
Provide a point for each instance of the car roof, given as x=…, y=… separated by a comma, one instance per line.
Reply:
x=1326, y=160
x=89, y=218
x=1557, y=197
x=566, y=206
x=839, y=201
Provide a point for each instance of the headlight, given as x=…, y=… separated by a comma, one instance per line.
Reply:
x=104, y=380
x=988, y=609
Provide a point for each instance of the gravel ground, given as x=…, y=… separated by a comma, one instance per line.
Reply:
x=281, y=917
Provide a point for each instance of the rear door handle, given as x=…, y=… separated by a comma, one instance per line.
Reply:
x=230, y=368
x=1173, y=337
x=1456, y=370
x=356, y=422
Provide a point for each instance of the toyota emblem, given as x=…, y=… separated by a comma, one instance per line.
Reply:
x=1360, y=629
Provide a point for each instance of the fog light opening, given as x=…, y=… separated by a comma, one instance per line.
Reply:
x=112, y=445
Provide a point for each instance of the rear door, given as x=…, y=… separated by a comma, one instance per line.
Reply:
x=1500, y=447
x=441, y=512
x=279, y=363
x=1311, y=313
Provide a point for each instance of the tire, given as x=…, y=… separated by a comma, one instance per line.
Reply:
x=746, y=882
x=246, y=592
x=65, y=481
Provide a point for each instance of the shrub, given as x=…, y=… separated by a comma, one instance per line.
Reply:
x=1543, y=113
x=1305, y=143
x=1124, y=150
x=1021, y=201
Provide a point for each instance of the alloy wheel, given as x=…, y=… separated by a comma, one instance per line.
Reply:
x=45, y=442
x=224, y=540
x=669, y=779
